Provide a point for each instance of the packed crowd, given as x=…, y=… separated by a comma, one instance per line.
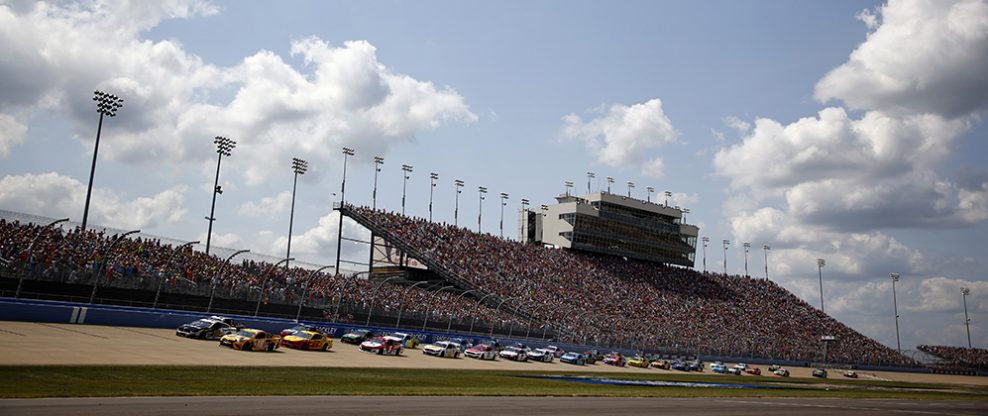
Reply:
x=960, y=356
x=609, y=299
x=75, y=256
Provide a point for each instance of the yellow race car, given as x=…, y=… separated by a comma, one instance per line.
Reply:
x=663, y=364
x=251, y=340
x=308, y=340
x=638, y=361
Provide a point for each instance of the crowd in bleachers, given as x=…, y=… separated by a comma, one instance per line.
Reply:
x=958, y=356
x=610, y=299
x=76, y=256
x=594, y=299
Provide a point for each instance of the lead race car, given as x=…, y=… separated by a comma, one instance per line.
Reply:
x=206, y=328
x=251, y=339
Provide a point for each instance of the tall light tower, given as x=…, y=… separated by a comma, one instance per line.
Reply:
x=299, y=166
x=590, y=175
x=224, y=147
x=726, y=243
x=480, y=210
x=339, y=229
x=668, y=195
x=705, y=241
x=610, y=180
x=648, y=193
x=895, y=309
x=766, y=248
x=456, y=208
x=378, y=161
x=747, y=246
x=504, y=197
x=106, y=105
x=967, y=321
x=406, y=169
x=568, y=184
x=630, y=185
x=433, y=177
x=685, y=211
x=819, y=267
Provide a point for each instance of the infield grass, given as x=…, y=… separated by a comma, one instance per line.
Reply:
x=92, y=381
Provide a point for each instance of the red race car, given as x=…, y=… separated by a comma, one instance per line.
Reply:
x=382, y=346
x=755, y=371
x=615, y=359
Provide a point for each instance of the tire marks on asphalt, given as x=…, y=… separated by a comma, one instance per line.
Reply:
x=137, y=331
x=71, y=330
x=12, y=333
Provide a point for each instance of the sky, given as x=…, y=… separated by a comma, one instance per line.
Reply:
x=850, y=131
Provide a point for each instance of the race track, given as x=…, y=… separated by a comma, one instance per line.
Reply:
x=30, y=343
x=297, y=405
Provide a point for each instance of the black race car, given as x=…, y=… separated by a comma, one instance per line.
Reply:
x=206, y=328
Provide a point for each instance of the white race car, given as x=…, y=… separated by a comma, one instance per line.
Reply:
x=515, y=353
x=541, y=354
x=445, y=349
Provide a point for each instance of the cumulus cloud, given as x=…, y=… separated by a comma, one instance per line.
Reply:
x=341, y=96
x=625, y=135
x=267, y=206
x=55, y=195
x=923, y=57
x=228, y=240
x=854, y=174
x=11, y=133
x=319, y=242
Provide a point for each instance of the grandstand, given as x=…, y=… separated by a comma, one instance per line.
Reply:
x=482, y=284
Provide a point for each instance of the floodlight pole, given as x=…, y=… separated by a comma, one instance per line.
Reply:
x=610, y=180
x=299, y=166
x=895, y=309
x=819, y=267
x=967, y=321
x=224, y=147
x=406, y=169
x=726, y=243
x=433, y=176
x=766, y=248
x=378, y=161
x=746, y=247
x=106, y=105
x=480, y=211
x=339, y=229
x=456, y=208
x=705, y=241
x=504, y=198
x=590, y=175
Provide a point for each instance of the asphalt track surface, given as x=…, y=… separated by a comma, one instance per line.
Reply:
x=31, y=343
x=390, y=405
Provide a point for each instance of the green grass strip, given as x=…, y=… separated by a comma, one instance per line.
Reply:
x=101, y=381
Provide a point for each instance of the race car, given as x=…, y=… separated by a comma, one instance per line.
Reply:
x=308, y=340
x=663, y=364
x=481, y=352
x=357, y=336
x=303, y=327
x=615, y=359
x=445, y=349
x=515, y=353
x=741, y=366
x=382, y=346
x=464, y=343
x=573, y=357
x=678, y=365
x=593, y=356
x=850, y=374
x=541, y=354
x=735, y=371
x=407, y=341
x=694, y=365
x=556, y=351
x=781, y=372
x=773, y=367
x=755, y=371
x=638, y=361
x=229, y=321
x=819, y=372
x=205, y=328
x=718, y=367
x=251, y=339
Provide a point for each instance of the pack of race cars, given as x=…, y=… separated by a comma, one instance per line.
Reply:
x=234, y=335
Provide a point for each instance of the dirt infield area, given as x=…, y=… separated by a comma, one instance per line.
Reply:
x=30, y=343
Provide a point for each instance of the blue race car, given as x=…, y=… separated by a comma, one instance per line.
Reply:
x=574, y=358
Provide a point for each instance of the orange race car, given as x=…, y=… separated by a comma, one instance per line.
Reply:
x=251, y=339
x=308, y=340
